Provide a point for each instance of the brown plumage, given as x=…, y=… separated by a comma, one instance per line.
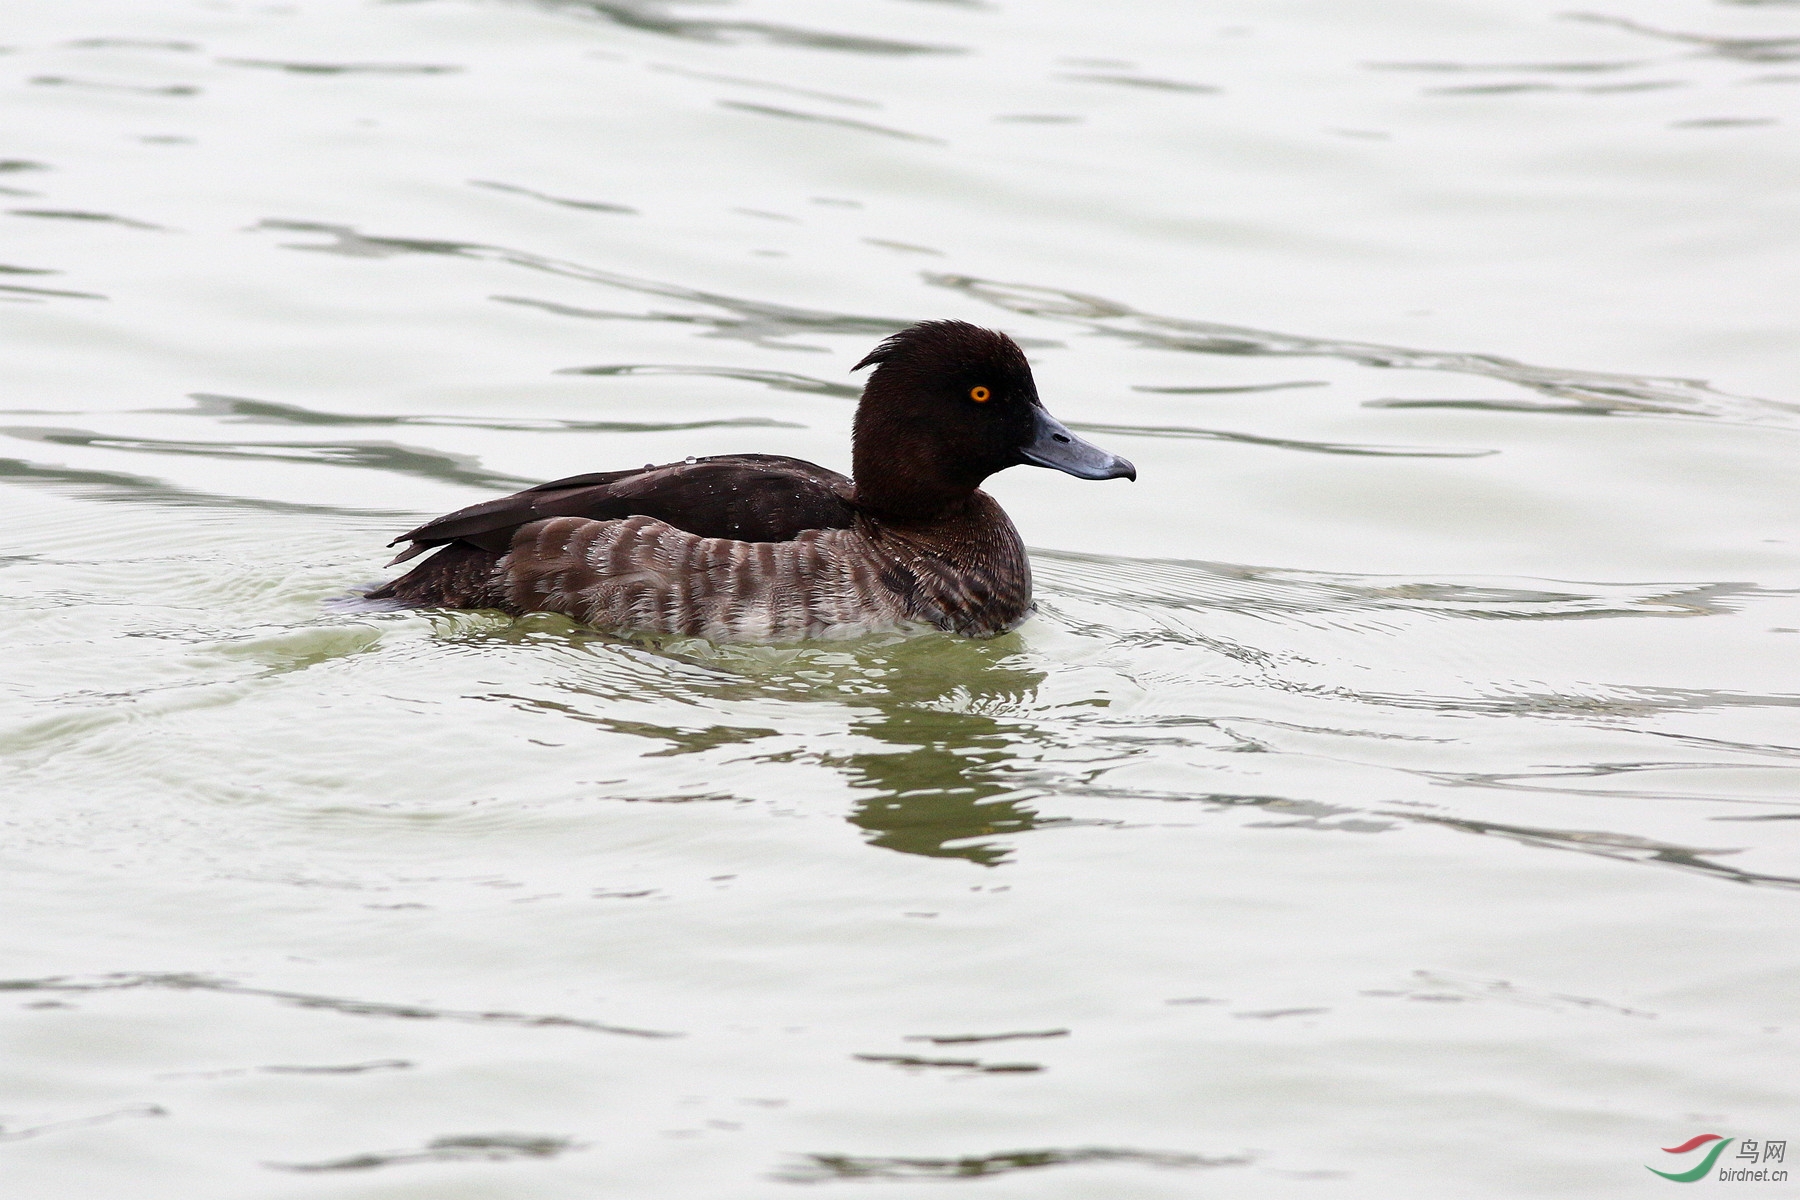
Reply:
x=761, y=548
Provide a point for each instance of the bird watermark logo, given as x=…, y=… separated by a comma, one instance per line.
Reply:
x=1749, y=1151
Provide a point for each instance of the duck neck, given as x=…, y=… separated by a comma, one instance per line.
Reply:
x=906, y=478
x=911, y=503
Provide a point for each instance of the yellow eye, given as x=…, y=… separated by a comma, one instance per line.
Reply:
x=979, y=394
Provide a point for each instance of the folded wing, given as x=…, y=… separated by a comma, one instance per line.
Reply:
x=748, y=497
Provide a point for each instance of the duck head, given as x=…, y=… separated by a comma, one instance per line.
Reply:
x=949, y=404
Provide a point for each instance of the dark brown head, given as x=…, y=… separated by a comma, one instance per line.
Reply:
x=948, y=405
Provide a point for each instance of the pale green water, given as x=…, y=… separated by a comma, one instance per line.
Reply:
x=1395, y=796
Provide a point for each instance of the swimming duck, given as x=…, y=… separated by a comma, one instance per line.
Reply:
x=762, y=548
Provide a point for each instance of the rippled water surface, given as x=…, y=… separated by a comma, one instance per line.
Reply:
x=1395, y=794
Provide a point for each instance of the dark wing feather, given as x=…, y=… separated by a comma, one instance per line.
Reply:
x=745, y=497
x=457, y=576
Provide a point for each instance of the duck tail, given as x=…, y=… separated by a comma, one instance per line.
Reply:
x=457, y=576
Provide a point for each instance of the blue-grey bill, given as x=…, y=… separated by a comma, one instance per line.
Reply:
x=1055, y=447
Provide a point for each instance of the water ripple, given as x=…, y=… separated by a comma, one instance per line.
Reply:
x=785, y=381
x=1551, y=68
x=765, y=85
x=1179, y=583
x=1441, y=986
x=15, y=291
x=964, y=1038
x=973, y=1066
x=31, y=1131
x=1587, y=391
x=261, y=412
x=758, y=322
x=462, y=1147
x=66, y=214
x=96, y=85
x=560, y=201
x=392, y=457
x=181, y=982
x=326, y=68
x=822, y=1168
x=1743, y=49
x=1251, y=439
x=789, y=114
x=1139, y=81
x=118, y=487
x=659, y=16
x=1623, y=846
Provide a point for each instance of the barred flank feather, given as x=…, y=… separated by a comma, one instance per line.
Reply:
x=640, y=574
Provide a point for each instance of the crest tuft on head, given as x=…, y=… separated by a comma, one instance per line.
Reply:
x=941, y=345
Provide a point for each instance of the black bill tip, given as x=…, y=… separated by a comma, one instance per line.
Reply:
x=1053, y=446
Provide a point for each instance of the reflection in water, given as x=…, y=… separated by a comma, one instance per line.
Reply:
x=951, y=783
x=681, y=741
x=960, y=728
x=948, y=781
